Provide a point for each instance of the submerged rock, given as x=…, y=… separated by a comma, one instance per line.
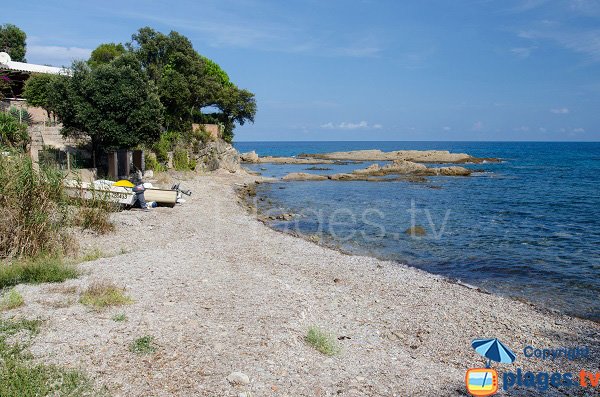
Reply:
x=416, y=231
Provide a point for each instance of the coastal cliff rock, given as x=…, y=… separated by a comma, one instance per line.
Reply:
x=218, y=155
x=249, y=157
x=303, y=176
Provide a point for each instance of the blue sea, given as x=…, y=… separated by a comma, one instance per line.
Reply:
x=528, y=227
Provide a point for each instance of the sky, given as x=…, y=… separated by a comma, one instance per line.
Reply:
x=367, y=70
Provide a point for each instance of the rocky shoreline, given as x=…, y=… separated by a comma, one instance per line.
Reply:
x=229, y=302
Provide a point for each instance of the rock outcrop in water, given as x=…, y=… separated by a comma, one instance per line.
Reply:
x=252, y=157
x=403, y=167
x=303, y=176
x=415, y=156
x=374, y=172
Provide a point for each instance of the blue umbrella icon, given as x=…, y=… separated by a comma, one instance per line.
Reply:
x=493, y=350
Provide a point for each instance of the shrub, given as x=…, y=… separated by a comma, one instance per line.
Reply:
x=104, y=293
x=143, y=345
x=96, y=219
x=322, y=341
x=21, y=115
x=12, y=133
x=33, y=209
x=166, y=144
x=42, y=269
x=11, y=300
x=94, y=214
x=153, y=164
x=182, y=161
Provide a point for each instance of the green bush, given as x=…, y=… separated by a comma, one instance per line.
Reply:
x=182, y=161
x=153, y=164
x=167, y=142
x=12, y=133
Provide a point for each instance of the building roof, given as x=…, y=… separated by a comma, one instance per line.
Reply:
x=7, y=63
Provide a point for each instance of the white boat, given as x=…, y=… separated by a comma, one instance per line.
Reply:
x=99, y=190
x=105, y=190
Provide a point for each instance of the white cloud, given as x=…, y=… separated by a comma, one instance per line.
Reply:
x=578, y=130
x=477, y=126
x=586, y=42
x=522, y=52
x=56, y=55
x=346, y=125
x=218, y=29
x=560, y=111
x=446, y=128
x=522, y=128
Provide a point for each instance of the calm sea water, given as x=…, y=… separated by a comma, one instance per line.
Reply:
x=528, y=227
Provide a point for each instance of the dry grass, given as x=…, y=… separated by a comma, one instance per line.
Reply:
x=33, y=209
x=96, y=219
x=57, y=303
x=62, y=289
x=102, y=294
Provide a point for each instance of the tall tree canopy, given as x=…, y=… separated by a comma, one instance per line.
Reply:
x=13, y=41
x=126, y=95
x=189, y=82
x=114, y=104
x=40, y=91
x=105, y=53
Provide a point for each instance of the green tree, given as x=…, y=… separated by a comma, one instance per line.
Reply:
x=105, y=53
x=237, y=106
x=114, y=104
x=176, y=69
x=13, y=41
x=40, y=91
x=188, y=81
